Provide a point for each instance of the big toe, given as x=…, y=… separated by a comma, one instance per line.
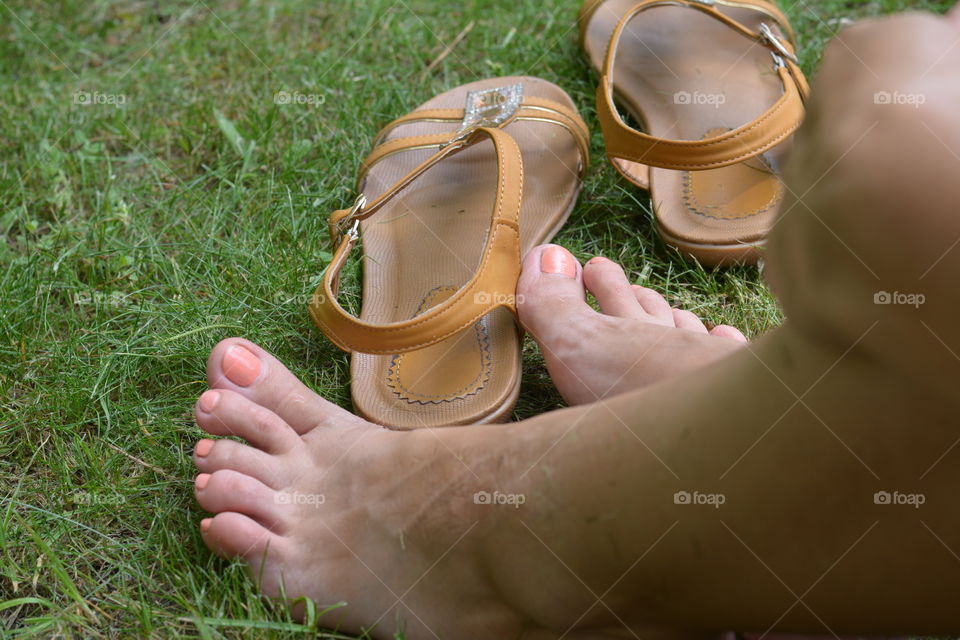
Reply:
x=239, y=365
x=550, y=293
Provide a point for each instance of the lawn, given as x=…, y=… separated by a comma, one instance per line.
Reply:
x=157, y=199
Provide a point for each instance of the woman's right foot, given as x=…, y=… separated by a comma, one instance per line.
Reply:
x=636, y=341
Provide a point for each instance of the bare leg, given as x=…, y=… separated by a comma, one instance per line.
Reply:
x=806, y=483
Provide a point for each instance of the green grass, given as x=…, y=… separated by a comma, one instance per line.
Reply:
x=137, y=236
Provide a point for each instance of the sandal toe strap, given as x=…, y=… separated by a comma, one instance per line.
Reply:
x=532, y=108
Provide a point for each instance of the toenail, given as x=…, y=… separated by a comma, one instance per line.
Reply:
x=203, y=448
x=241, y=366
x=202, y=480
x=559, y=261
x=597, y=260
x=209, y=400
x=205, y=524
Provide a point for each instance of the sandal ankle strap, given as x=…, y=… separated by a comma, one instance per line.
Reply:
x=492, y=286
x=770, y=129
x=770, y=9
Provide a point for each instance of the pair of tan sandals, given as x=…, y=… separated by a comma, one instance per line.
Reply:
x=456, y=192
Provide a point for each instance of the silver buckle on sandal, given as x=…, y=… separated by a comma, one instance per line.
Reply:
x=354, y=231
x=490, y=108
x=769, y=37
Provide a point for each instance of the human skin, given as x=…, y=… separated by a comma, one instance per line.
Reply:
x=795, y=434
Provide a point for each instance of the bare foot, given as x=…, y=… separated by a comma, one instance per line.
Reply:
x=637, y=339
x=324, y=505
x=848, y=400
x=336, y=509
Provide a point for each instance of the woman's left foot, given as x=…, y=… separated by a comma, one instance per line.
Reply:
x=323, y=504
x=405, y=528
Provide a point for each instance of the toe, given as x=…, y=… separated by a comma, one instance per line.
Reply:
x=239, y=365
x=234, y=535
x=726, y=331
x=228, y=490
x=689, y=321
x=226, y=413
x=608, y=283
x=214, y=455
x=550, y=294
x=655, y=305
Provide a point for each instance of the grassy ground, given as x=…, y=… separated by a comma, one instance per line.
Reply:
x=137, y=235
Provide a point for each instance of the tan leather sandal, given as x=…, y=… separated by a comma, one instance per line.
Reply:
x=453, y=197
x=691, y=73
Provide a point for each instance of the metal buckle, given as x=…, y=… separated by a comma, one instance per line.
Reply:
x=490, y=108
x=354, y=231
x=463, y=133
x=767, y=35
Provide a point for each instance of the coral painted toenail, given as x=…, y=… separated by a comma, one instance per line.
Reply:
x=241, y=366
x=203, y=448
x=597, y=260
x=208, y=401
x=559, y=261
x=205, y=524
x=202, y=480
